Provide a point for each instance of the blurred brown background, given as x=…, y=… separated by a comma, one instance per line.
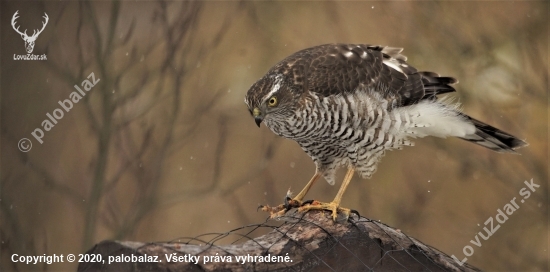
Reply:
x=163, y=146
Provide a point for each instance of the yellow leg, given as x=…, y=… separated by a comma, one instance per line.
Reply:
x=344, y=186
x=334, y=206
x=291, y=203
x=304, y=191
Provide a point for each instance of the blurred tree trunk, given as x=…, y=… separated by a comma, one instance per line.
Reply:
x=304, y=242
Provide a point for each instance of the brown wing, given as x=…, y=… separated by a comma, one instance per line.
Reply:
x=333, y=69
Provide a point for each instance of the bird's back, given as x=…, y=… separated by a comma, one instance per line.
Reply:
x=334, y=69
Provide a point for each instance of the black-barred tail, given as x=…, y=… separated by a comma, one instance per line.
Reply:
x=493, y=138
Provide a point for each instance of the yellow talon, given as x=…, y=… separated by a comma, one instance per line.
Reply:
x=332, y=206
x=296, y=202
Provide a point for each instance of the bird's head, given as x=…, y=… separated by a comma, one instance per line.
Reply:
x=271, y=99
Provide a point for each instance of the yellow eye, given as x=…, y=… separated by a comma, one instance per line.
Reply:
x=272, y=102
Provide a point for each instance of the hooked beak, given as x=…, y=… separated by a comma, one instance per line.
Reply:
x=257, y=116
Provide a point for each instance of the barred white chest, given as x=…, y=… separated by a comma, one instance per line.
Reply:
x=355, y=129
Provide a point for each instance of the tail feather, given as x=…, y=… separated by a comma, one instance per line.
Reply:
x=493, y=138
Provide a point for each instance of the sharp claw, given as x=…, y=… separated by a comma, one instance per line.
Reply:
x=287, y=202
x=334, y=209
x=276, y=211
x=282, y=209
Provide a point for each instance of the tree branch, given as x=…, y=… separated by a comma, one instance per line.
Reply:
x=304, y=242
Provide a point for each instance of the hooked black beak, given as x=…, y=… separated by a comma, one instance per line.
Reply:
x=257, y=116
x=258, y=120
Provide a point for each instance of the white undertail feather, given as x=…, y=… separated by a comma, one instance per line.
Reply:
x=434, y=118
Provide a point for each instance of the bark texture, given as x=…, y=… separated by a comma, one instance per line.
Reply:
x=303, y=242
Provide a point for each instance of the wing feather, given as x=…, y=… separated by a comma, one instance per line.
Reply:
x=333, y=69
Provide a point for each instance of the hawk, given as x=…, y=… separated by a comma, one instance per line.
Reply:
x=346, y=104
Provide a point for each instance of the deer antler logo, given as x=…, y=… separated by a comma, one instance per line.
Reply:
x=29, y=40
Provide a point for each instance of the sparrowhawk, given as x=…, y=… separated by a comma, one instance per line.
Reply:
x=346, y=104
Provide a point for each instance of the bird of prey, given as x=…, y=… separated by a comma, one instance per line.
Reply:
x=346, y=104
